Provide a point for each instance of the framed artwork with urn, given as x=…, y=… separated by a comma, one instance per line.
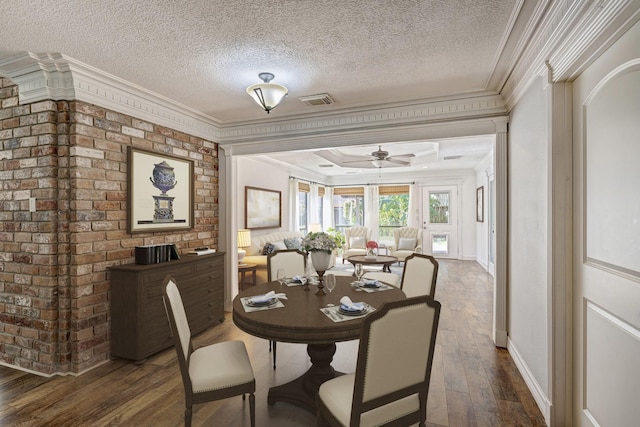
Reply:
x=159, y=192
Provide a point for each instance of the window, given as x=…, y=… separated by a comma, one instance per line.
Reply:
x=305, y=206
x=348, y=207
x=393, y=209
x=439, y=207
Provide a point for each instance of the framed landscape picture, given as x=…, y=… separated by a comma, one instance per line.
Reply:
x=160, y=192
x=262, y=208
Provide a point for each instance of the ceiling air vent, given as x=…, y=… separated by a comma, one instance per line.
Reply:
x=320, y=99
x=452, y=157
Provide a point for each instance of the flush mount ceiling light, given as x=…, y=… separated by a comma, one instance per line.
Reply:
x=267, y=95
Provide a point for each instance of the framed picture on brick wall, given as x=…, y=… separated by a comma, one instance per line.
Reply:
x=159, y=193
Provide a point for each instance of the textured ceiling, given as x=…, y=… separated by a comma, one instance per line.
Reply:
x=204, y=53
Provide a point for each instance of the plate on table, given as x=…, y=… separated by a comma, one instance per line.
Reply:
x=343, y=309
x=370, y=284
x=266, y=303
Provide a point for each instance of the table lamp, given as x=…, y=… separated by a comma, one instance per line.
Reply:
x=244, y=241
x=315, y=228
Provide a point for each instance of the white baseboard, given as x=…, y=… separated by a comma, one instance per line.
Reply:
x=538, y=394
x=483, y=263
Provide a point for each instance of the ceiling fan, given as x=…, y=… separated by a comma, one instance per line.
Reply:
x=380, y=158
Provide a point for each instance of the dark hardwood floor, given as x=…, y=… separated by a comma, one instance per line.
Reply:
x=472, y=383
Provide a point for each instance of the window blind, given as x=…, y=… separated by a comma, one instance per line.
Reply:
x=348, y=191
x=388, y=190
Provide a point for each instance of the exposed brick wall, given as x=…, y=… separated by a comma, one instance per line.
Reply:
x=72, y=157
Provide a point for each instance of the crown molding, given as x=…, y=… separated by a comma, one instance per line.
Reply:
x=477, y=105
x=570, y=35
x=324, y=138
x=59, y=77
x=595, y=32
x=42, y=76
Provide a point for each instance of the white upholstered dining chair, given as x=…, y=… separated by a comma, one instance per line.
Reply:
x=356, y=239
x=213, y=372
x=419, y=275
x=391, y=381
x=294, y=263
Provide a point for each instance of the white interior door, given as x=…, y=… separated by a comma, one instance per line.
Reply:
x=440, y=221
x=607, y=238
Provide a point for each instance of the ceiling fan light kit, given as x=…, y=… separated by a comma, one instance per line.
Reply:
x=378, y=162
x=267, y=95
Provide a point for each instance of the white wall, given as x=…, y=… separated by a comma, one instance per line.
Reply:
x=468, y=216
x=254, y=173
x=482, y=228
x=528, y=158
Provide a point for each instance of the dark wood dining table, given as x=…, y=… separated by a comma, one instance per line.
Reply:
x=301, y=321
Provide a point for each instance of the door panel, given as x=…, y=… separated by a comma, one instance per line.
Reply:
x=607, y=232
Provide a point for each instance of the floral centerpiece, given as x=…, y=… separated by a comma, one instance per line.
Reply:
x=320, y=246
x=371, y=245
x=320, y=241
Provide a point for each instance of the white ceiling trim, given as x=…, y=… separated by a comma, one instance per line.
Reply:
x=471, y=106
x=59, y=77
x=368, y=136
x=561, y=40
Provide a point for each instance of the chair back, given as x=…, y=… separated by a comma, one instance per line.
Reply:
x=419, y=275
x=293, y=261
x=393, y=370
x=179, y=325
x=356, y=231
x=407, y=233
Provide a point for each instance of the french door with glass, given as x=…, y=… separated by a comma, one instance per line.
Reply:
x=440, y=221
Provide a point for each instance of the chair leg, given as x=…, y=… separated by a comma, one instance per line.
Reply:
x=252, y=409
x=275, y=343
x=187, y=416
x=270, y=346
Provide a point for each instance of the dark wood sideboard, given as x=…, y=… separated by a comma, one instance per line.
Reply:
x=139, y=325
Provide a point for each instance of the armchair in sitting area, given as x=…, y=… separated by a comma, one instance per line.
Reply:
x=406, y=241
x=356, y=239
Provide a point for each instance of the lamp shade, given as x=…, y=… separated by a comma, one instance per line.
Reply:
x=315, y=228
x=244, y=238
x=378, y=163
x=267, y=95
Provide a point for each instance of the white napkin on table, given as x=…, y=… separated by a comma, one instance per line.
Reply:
x=350, y=305
x=296, y=279
x=370, y=282
x=268, y=296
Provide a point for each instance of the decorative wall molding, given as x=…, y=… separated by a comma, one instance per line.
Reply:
x=58, y=77
x=571, y=34
x=564, y=35
x=328, y=138
x=476, y=105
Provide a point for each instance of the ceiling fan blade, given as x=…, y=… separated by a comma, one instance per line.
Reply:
x=361, y=160
x=401, y=156
x=398, y=161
